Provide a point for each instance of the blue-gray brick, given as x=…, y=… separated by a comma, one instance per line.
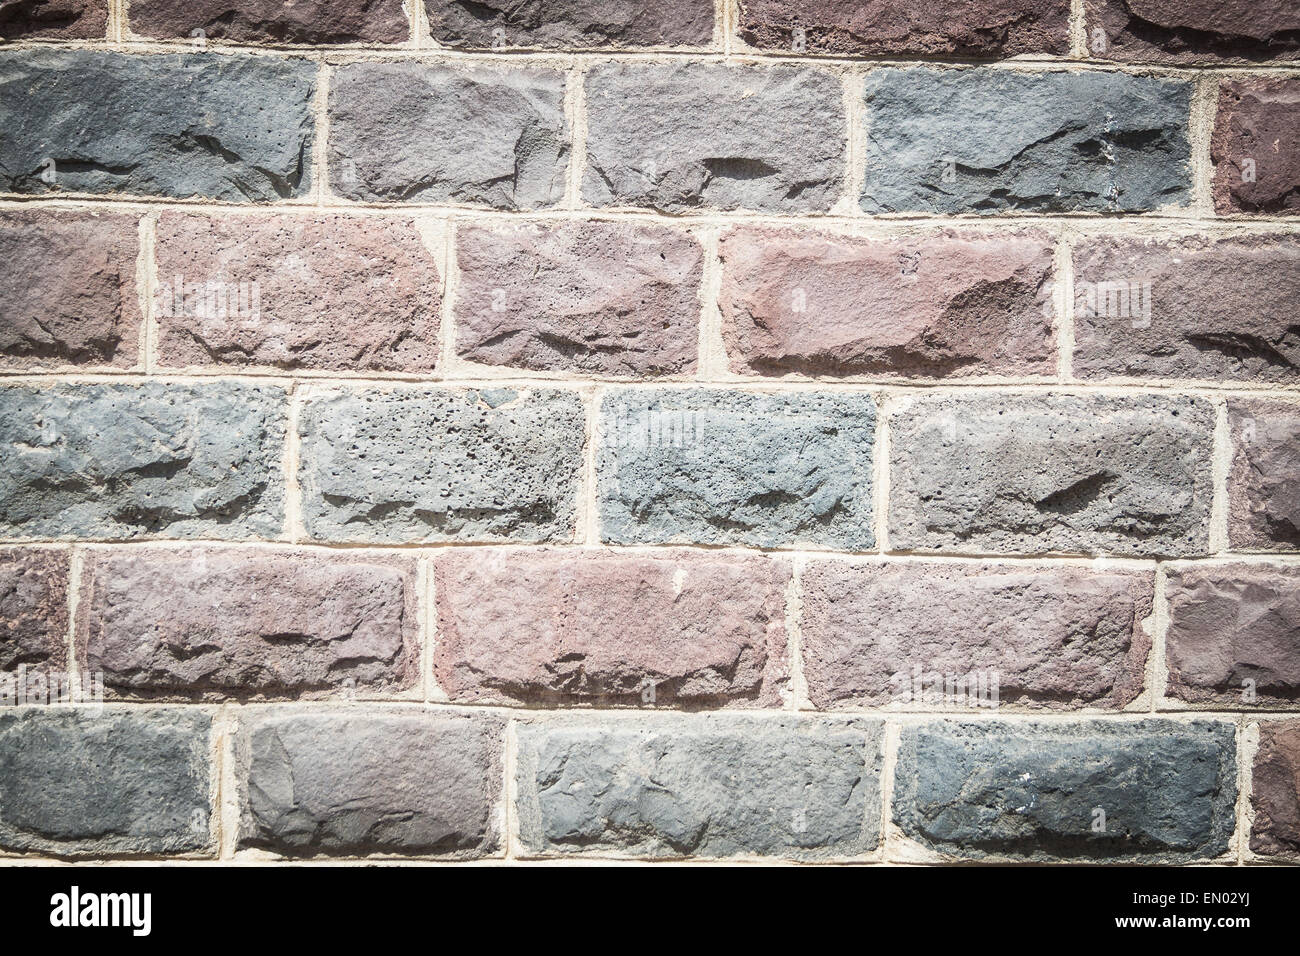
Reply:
x=983, y=141
x=113, y=461
x=716, y=466
x=237, y=128
x=76, y=782
x=701, y=785
x=432, y=464
x=1154, y=790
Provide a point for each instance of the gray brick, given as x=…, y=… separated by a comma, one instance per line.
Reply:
x=1030, y=142
x=1065, y=473
x=716, y=466
x=687, y=135
x=1032, y=791
x=117, y=461
x=237, y=128
x=442, y=465
x=701, y=786
x=73, y=782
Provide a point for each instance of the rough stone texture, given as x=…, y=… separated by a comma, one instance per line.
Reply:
x=1188, y=308
x=355, y=782
x=272, y=21
x=1030, y=791
x=332, y=292
x=986, y=141
x=236, y=128
x=1189, y=31
x=1258, y=120
x=1264, y=482
x=68, y=289
x=701, y=786
x=715, y=466
x=236, y=623
x=601, y=298
x=984, y=28
x=54, y=19
x=441, y=465
x=116, y=461
x=1060, y=473
x=1276, y=785
x=610, y=628
x=1058, y=637
x=1234, y=635
x=436, y=134
x=33, y=609
x=950, y=304
x=74, y=782
x=687, y=135
x=570, y=24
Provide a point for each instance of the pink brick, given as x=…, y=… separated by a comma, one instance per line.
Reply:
x=1256, y=147
x=33, y=609
x=567, y=627
x=945, y=305
x=1264, y=482
x=603, y=298
x=347, y=293
x=54, y=19
x=1275, y=786
x=273, y=21
x=1056, y=637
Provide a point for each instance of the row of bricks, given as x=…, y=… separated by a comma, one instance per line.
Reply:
x=673, y=136
x=364, y=780
x=976, y=473
x=623, y=299
x=1125, y=30
x=689, y=628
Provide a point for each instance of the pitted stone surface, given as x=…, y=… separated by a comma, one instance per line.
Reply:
x=33, y=609
x=570, y=24
x=1264, y=482
x=272, y=21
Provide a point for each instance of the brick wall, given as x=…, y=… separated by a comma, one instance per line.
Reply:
x=652, y=429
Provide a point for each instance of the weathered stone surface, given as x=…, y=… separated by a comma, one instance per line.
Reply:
x=1264, y=482
x=603, y=298
x=54, y=19
x=272, y=21
x=701, y=786
x=329, y=292
x=1234, y=634
x=123, y=461
x=1060, y=473
x=237, y=128
x=68, y=289
x=570, y=24
x=986, y=141
x=433, y=464
x=1032, y=791
x=823, y=304
x=233, y=622
x=369, y=781
x=1052, y=637
x=33, y=609
x=415, y=132
x=1276, y=785
x=1186, y=31
x=1256, y=147
x=984, y=28
x=686, y=135
x=75, y=782
x=1188, y=308
x=714, y=466
x=645, y=629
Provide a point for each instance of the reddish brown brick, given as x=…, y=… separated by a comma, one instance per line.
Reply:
x=946, y=305
x=1264, y=483
x=602, y=298
x=334, y=292
x=1234, y=634
x=1187, y=308
x=68, y=289
x=33, y=608
x=646, y=629
x=1256, y=147
x=219, y=622
x=54, y=19
x=1276, y=789
x=272, y=21
x=1187, y=31
x=1054, y=637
